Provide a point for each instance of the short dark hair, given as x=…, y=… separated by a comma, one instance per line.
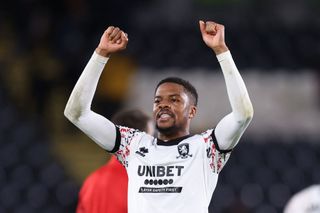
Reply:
x=132, y=118
x=189, y=88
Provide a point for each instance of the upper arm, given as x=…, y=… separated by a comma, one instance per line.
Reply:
x=229, y=130
x=98, y=128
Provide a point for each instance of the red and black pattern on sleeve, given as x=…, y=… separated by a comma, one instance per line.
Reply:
x=124, y=138
x=217, y=158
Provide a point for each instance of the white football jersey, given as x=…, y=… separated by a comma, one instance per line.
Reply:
x=169, y=177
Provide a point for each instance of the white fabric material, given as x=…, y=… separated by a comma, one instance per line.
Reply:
x=175, y=178
x=305, y=201
x=231, y=127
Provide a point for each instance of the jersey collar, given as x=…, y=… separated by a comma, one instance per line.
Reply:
x=172, y=142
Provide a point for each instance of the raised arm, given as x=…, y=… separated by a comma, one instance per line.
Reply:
x=229, y=130
x=78, y=109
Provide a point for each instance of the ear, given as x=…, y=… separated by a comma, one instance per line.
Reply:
x=192, y=111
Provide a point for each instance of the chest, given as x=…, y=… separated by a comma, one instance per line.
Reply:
x=153, y=161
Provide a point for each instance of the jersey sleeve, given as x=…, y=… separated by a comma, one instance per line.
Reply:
x=216, y=158
x=230, y=129
x=124, y=142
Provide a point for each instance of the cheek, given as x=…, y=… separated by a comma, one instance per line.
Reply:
x=183, y=111
x=154, y=108
x=154, y=114
x=187, y=112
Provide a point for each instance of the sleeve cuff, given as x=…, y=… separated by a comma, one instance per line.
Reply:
x=117, y=142
x=99, y=58
x=224, y=56
x=223, y=151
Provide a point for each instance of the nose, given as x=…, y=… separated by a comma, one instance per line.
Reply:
x=164, y=104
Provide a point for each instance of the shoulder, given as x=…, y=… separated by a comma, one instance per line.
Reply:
x=209, y=138
x=126, y=132
x=207, y=134
x=308, y=193
x=203, y=137
x=125, y=136
x=305, y=199
x=200, y=139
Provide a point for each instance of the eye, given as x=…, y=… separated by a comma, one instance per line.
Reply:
x=174, y=99
x=156, y=101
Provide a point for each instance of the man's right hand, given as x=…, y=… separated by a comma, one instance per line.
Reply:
x=112, y=40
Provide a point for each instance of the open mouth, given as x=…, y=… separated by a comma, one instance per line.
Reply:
x=164, y=115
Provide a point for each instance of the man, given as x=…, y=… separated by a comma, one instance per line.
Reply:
x=105, y=190
x=175, y=172
x=305, y=201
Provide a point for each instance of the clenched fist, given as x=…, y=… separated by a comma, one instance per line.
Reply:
x=213, y=36
x=112, y=40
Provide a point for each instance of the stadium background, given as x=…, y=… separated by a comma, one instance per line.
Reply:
x=44, y=46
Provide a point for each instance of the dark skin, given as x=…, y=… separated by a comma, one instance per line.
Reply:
x=173, y=110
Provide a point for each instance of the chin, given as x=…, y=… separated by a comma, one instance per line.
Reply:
x=166, y=129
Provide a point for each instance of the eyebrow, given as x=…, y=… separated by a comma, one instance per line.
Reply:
x=175, y=94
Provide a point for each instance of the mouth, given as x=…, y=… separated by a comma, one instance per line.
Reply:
x=164, y=115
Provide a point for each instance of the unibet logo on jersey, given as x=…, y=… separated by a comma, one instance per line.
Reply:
x=162, y=177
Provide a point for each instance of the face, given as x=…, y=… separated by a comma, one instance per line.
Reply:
x=172, y=109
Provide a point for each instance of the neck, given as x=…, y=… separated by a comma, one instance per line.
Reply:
x=171, y=136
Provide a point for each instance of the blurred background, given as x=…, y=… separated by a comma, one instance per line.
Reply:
x=44, y=46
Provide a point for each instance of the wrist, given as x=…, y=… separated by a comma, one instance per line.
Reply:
x=103, y=52
x=220, y=49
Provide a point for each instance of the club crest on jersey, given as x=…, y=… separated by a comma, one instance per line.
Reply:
x=183, y=150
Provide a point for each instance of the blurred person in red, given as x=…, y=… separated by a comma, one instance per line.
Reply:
x=106, y=189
